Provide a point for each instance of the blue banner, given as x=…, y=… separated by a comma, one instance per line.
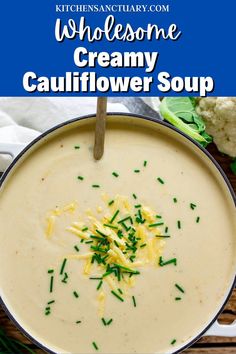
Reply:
x=110, y=48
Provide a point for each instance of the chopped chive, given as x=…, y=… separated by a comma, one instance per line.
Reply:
x=64, y=280
x=117, y=295
x=99, y=284
x=114, y=216
x=192, y=206
x=179, y=288
x=98, y=249
x=197, y=219
x=101, y=233
x=138, y=206
x=78, y=322
x=50, y=271
x=47, y=313
x=87, y=242
x=109, y=322
x=115, y=174
x=179, y=224
x=163, y=236
x=143, y=245
x=127, y=269
x=111, y=226
x=111, y=202
x=166, y=229
x=177, y=298
x=51, y=284
x=160, y=180
x=136, y=171
x=51, y=302
x=77, y=147
x=103, y=321
x=175, y=200
x=158, y=216
x=134, y=301
x=125, y=219
x=173, y=342
x=80, y=178
x=85, y=229
x=75, y=294
x=63, y=266
x=76, y=248
x=145, y=163
x=95, y=278
x=164, y=263
x=156, y=224
x=95, y=345
x=95, y=185
x=134, y=196
x=120, y=291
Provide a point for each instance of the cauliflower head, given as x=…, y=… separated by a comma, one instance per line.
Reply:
x=219, y=115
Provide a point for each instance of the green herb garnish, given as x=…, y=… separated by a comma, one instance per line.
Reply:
x=63, y=266
x=136, y=171
x=179, y=288
x=145, y=163
x=76, y=295
x=156, y=224
x=173, y=342
x=80, y=178
x=175, y=200
x=111, y=202
x=51, y=284
x=170, y=261
x=160, y=180
x=134, y=196
x=99, y=284
x=143, y=245
x=117, y=296
x=115, y=174
x=163, y=236
x=111, y=226
x=197, y=219
x=134, y=301
x=193, y=206
x=114, y=216
x=76, y=248
x=177, y=298
x=51, y=302
x=95, y=345
x=95, y=185
x=64, y=280
x=77, y=147
x=179, y=224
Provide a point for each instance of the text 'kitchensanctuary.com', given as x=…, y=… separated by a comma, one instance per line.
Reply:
x=112, y=8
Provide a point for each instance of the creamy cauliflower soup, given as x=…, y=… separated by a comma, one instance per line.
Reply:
x=130, y=254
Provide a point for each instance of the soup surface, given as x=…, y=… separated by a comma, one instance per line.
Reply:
x=172, y=285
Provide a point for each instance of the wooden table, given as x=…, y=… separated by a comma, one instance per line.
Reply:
x=207, y=345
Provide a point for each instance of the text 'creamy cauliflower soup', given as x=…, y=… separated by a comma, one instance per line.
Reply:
x=130, y=254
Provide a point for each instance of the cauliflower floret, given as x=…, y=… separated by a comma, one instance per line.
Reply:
x=219, y=114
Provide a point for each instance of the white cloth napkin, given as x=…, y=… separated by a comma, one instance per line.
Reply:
x=23, y=119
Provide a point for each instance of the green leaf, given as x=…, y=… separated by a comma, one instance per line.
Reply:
x=180, y=111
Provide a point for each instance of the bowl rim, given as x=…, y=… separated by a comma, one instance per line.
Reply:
x=146, y=118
